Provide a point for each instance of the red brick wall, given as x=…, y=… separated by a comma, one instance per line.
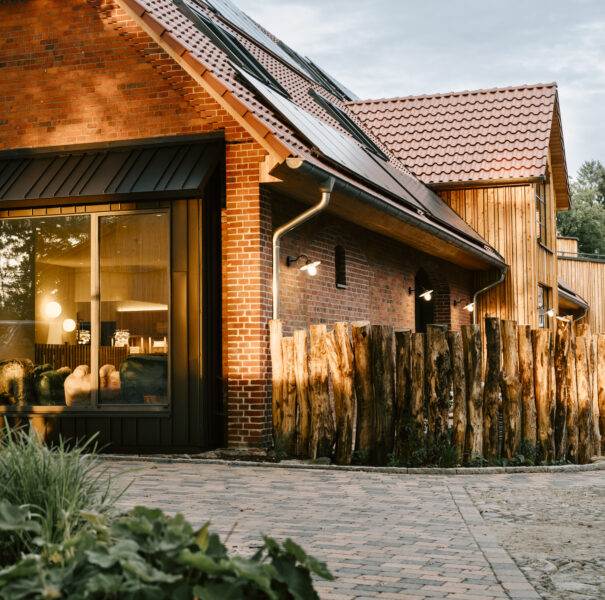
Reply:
x=379, y=271
x=77, y=71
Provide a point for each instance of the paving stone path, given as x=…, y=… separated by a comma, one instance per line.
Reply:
x=403, y=537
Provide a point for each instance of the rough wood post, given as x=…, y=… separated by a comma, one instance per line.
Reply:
x=541, y=344
x=341, y=366
x=438, y=373
x=322, y=419
x=277, y=375
x=594, y=386
x=288, y=428
x=416, y=427
x=403, y=392
x=471, y=344
x=491, y=391
x=601, y=387
x=528, y=398
x=510, y=384
x=584, y=401
x=384, y=391
x=302, y=392
x=571, y=426
x=582, y=329
x=454, y=339
x=364, y=439
x=561, y=356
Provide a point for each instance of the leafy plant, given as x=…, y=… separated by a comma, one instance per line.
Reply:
x=54, y=483
x=147, y=555
x=360, y=457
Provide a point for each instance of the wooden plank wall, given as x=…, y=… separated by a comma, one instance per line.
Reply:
x=505, y=216
x=567, y=245
x=587, y=278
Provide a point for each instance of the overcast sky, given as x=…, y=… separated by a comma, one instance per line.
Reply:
x=385, y=48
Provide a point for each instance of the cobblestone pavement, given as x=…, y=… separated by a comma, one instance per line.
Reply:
x=403, y=537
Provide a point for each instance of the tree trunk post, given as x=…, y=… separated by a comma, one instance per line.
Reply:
x=541, y=345
x=528, y=397
x=384, y=391
x=277, y=375
x=510, y=385
x=491, y=391
x=454, y=339
x=594, y=386
x=416, y=426
x=341, y=368
x=584, y=401
x=302, y=393
x=571, y=426
x=562, y=335
x=364, y=438
x=601, y=387
x=288, y=432
x=438, y=373
x=471, y=344
x=322, y=419
x=403, y=393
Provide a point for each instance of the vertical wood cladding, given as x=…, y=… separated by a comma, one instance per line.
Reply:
x=506, y=217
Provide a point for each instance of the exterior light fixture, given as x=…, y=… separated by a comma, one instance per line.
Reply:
x=69, y=325
x=52, y=310
x=470, y=307
x=550, y=313
x=426, y=295
x=310, y=266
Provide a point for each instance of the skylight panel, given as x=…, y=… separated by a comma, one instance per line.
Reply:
x=229, y=44
x=348, y=124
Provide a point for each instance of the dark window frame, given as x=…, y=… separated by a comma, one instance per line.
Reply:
x=544, y=305
x=340, y=267
x=541, y=214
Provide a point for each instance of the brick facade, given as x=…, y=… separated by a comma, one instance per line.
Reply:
x=75, y=71
x=379, y=273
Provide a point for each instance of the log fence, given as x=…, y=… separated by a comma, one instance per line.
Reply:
x=392, y=396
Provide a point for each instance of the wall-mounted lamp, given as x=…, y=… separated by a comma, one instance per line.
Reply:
x=469, y=307
x=309, y=265
x=549, y=313
x=52, y=310
x=426, y=295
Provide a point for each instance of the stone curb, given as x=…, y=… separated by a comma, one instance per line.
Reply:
x=599, y=466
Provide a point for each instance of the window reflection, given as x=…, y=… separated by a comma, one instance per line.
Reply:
x=134, y=264
x=44, y=308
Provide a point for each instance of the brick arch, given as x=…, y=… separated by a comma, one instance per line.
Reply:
x=442, y=301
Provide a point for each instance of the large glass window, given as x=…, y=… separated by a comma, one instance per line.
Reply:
x=84, y=310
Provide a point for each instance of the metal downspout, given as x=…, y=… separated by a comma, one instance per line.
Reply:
x=484, y=289
x=326, y=189
x=581, y=317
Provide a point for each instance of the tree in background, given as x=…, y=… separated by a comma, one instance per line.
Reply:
x=585, y=219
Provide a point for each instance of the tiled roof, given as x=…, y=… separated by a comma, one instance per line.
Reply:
x=480, y=135
x=178, y=32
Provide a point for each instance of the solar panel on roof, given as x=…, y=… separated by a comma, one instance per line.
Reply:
x=333, y=144
x=244, y=23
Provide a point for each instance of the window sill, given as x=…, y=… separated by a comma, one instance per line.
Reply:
x=545, y=247
x=76, y=411
x=341, y=286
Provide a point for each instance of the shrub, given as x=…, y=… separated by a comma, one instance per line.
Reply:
x=54, y=483
x=147, y=555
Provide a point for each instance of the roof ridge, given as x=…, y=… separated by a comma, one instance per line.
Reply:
x=526, y=86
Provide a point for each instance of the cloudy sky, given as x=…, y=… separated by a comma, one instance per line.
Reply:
x=384, y=48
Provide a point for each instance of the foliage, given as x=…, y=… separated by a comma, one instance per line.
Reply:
x=442, y=455
x=360, y=457
x=147, y=555
x=54, y=483
x=586, y=217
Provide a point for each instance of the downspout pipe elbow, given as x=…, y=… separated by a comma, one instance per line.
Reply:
x=484, y=289
x=326, y=188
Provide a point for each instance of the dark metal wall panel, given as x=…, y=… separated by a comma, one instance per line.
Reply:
x=182, y=168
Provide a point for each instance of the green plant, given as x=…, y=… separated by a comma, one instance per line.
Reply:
x=54, y=483
x=279, y=448
x=476, y=460
x=361, y=457
x=147, y=555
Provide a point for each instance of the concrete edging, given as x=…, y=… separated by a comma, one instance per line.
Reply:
x=598, y=466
